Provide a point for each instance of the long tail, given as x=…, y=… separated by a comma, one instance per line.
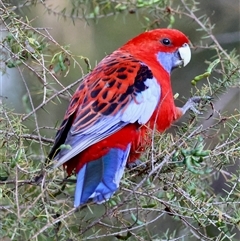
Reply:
x=99, y=179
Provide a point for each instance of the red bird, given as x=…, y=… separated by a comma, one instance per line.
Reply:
x=108, y=116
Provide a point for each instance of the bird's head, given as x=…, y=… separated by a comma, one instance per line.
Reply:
x=169, y=47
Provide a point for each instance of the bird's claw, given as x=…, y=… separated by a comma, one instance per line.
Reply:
x=136, y=163
x=193, y=102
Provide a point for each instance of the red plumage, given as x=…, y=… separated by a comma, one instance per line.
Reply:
x=131, y=133
x=128, y=93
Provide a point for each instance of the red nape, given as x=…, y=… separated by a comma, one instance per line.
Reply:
x=132, y=133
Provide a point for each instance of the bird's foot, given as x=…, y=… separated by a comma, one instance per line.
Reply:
x=136, y=163
x=38, y=178
x=193, y=102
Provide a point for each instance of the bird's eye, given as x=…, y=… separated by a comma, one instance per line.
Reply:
x=166, y=41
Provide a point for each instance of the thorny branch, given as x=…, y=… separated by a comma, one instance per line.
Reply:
x=146, y=195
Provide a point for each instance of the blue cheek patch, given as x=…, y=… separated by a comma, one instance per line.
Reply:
x=167, y=60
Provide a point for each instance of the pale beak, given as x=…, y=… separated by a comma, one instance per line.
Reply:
x=185, y=54
x=180, y=58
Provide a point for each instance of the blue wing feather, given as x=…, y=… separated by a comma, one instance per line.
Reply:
x=91, y=124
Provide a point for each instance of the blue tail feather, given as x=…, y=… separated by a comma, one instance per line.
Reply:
x=88, y=179
x=99, y=179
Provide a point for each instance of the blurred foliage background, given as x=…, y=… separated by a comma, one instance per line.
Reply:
x=189, y=189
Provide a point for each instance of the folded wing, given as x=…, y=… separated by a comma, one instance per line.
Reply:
x=119, y=91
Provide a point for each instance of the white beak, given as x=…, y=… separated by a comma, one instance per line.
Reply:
x=185, y=54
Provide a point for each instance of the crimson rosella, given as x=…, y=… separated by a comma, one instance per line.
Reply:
x=106, y=123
